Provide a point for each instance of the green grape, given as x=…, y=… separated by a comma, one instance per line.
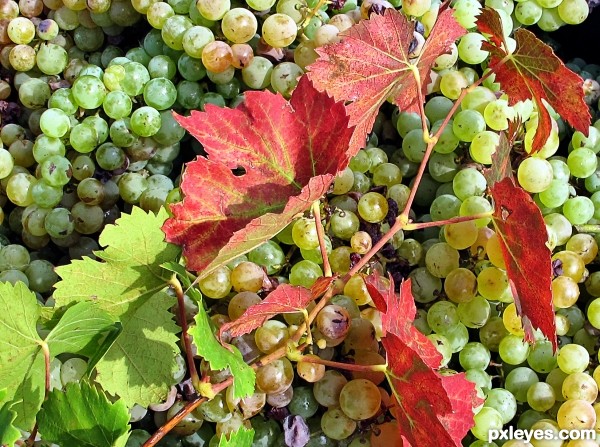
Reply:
x=45, y=195
x=275, y=377
x=486, y=420
x=469, y=182
x=59, y=223
x=327, y=390
x=21, y=30
x=482, y=147
x=304, y=234
x=121, y=133
x=6, y=163
x=408, y=121
x=582, y=162
x=436, y=108
x=425, y=287
x=466, y=11
x=528, y=12
x=540, y=396
x=34, y=93
x=145, y=121
x=474, y=313
x=573, y=358
x=54, y=123
x=441, y=259
x=513, y=349
x=497, y=113
x=162, y=66
x=474, y=355
x=414, y=146
x=110, y=157
x=445, y=207
x=534, y=174
x=343, y=224
x=555, y=195
x=573, y=12
x=88, y=218
x=304, y=273
x=88, y=92
x=303, y=402
x=578, y=210
x=469, y=49
x=269, y=255
x=477, y=99
x=453, y=82
x=502, y=401
x=160, y=93
x=580, y=386
x=372, y=207
x=213, y=10
x=117, y=105
x=284, y=78
x=442, y=317
x=467, y=124
x=19, y=188
x=542, y=358
x=360, y=399
x=518, y=382
x=257, y=75
x=73, y=370
x=336, y=424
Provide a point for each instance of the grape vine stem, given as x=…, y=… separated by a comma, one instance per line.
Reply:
x=316, y=209
x=346, y=366
x=185, y=337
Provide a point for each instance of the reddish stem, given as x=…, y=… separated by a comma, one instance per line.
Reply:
x=185, y=337
x=340, y=365
x=171, y=423
x=316, y=209
x=439, y=223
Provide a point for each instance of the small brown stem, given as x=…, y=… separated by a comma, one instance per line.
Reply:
x=185, y=337
x=439, y=223
x=346, y=366
x=171, y=423
x=313, y=12
x=316, y=210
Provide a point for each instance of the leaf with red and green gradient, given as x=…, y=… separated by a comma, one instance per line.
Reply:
x=284, y=299
x=372, y=64
x=522, y=235
x=432, y=409
x=533, y=71
x=289, y=153
x=501, y=162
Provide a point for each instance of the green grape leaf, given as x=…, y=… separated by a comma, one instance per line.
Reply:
x=9, y=434
x=22, y=369
x=22, y=365
x=220, y=357
x=139, y=364
x=82, y=416
x=241, y=438
x=79, y=330
x=132, y=272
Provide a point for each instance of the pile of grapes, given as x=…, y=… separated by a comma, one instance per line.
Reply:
x=86, y=132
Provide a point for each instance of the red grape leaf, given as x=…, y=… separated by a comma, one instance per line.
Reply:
x=533, y=71
x=372, y=64
x=284, y=299
x=522, y=234
x=289, y=153
x=433, y=409
x=501, y=162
